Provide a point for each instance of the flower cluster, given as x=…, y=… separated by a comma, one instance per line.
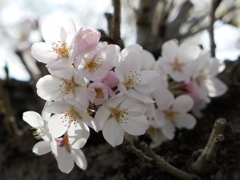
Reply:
x=93, y=84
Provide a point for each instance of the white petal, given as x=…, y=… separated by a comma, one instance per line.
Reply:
x=161, y=120
x=140, y=96
x=56, y=126
x=168, y=130
x=33, y=119
x=133, y=47
x=43, y=52
x=79, y=158
x=150, y=81
x=169, y=50
x=47, y=88
x=58, y=107
x=102, y=116
x=113, y=132
x=185, y=121
x=135, y=125
x=64, y=159
x=133, y=105
x=164, y=99
x=183, y=103
x=215, y=87
x=188, y=52
x=89, y=121
x=148, y=60
x=78, y=134
x=41, y=148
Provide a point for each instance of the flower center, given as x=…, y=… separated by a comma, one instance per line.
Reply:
x=170, y=114
x=66, y=86
x=119, y=115
x=132, y=80
x=176, y=65
x=61, y=49
x=39, y=133
x=92, y=65
x=71, y=116
x=202, y=77
x=99, y=93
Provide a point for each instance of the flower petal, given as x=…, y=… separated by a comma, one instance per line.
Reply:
x=135, y=125
x=56, y=127
x=79, y=158
x=183, y=103
x=41, y=148
x=185, y=121
x=33, y=119
x=168, y=130
x=113, y=132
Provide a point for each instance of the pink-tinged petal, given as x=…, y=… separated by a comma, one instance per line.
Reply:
x=168, y=130
x=79, y=158
x=185, y=121
x=113, y=132
x=164, y=99
x=135, y=125
x=102, y=115
x=43, y=52
x=48, y=88
x=111, y=79
x=41, y=148
x=140, y=96
x=160, y=118
x=188, y=52
x=169, y=50
x=183, y=103
x=150, y=81
x=58, y=107
x=215, y=87
x=78, y=135
x=56, y=126
x=33, y=119
x=64, y=73
x=64, y=159
x=97, y=93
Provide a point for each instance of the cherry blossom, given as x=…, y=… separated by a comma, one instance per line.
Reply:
x=177, y=61
x=57, y=49
x=173, y=112
x=133, y=81
x=96, y=64
x=121, y=114
x=64, y=85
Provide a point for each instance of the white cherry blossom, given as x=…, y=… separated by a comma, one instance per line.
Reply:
x=57, y=49
x=121, y=114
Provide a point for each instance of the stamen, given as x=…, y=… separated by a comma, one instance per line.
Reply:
x=66, y=86
x=132, y=80
x=61, y=49
x=119, y=115
x=176, y=65
x=92, y=65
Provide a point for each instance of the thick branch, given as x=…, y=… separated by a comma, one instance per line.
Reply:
x=163, y=165
x=116, y=23
x=204, y=162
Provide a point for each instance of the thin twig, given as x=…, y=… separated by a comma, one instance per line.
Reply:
x=215, y=4
x=204, y=162
x=163, y=165
x=139, y=153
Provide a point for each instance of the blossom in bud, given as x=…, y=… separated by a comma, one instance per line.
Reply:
x=121, y=114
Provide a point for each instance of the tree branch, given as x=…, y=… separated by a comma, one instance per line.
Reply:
x=163, y=165
x=204, y=162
